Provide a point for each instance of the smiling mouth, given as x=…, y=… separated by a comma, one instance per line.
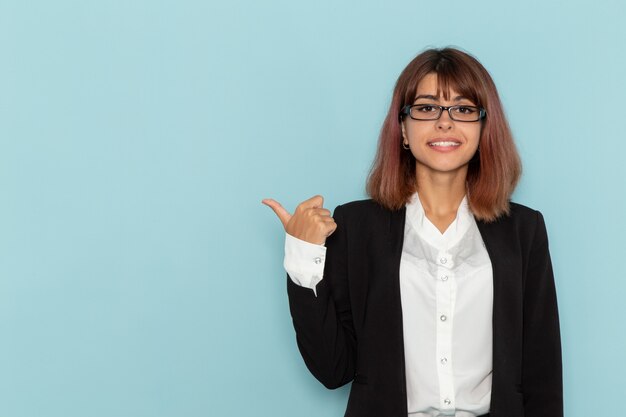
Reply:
x=443, y=143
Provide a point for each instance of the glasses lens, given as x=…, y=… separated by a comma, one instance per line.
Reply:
x=425, y=112
x=465, y=113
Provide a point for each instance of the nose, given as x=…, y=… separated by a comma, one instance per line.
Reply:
x=445, y=122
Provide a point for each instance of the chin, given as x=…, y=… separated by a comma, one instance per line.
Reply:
x=443, y=166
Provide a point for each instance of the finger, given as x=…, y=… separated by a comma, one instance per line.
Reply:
x=317, y=201
x=330, y=229
x=283, y=215
x=327, y=224
x=319, y=212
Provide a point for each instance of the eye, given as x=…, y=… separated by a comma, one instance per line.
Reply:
x=426, y=108
x=465, y=109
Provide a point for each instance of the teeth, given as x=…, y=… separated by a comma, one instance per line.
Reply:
x=444, y=143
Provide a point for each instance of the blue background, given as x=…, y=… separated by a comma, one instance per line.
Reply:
x=139, y=273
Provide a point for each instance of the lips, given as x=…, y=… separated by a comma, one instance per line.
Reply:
x=444, y=142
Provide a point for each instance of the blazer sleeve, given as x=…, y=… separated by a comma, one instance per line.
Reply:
x=541, y=363
x=323, y=323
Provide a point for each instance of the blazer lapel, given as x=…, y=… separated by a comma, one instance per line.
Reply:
x=507, y=307
x=397, y=222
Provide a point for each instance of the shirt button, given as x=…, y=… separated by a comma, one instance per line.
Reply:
x=317, y=260
x=444, y=361
x=443, y=260
x=444, y=278
x=447, y=401
x=443, y=317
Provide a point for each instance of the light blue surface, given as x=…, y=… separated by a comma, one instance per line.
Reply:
x=139, y=273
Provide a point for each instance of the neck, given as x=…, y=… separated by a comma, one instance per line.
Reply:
x=441, y=193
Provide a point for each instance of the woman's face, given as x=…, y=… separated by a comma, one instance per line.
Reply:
x=443, y=145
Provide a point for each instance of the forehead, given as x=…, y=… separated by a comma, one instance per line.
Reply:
x=430, y=85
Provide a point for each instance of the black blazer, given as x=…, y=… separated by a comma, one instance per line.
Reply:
x=352, y=330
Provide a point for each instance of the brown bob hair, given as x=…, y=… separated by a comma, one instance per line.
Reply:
x=493, y=172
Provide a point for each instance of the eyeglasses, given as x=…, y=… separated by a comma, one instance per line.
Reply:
x=434, y=111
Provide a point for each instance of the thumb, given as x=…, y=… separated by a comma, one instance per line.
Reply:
x=283, y=215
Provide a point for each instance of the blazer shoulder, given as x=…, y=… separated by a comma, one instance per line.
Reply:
x=521, y=221
x=521, y=212
x=366, y=214
x=361, y=205
x=363, y=208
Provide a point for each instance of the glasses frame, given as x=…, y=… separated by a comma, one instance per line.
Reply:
x=406, y=111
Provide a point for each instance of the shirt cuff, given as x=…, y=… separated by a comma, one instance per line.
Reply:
x=304, y=262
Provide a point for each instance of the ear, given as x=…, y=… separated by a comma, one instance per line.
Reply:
x=403, y=130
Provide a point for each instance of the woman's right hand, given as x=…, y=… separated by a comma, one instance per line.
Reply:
x=310, y=222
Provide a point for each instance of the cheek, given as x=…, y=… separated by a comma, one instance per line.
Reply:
x=473, y=135
x=415, y=133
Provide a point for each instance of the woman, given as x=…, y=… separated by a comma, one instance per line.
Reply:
x=436, y=296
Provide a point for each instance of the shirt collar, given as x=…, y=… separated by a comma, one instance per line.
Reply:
x=426, y=229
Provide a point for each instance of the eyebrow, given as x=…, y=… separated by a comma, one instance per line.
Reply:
x=436, y=98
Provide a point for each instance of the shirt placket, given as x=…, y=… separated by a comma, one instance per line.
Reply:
x=446, y=292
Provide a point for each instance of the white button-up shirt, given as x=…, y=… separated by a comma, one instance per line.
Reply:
x=446, y=286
